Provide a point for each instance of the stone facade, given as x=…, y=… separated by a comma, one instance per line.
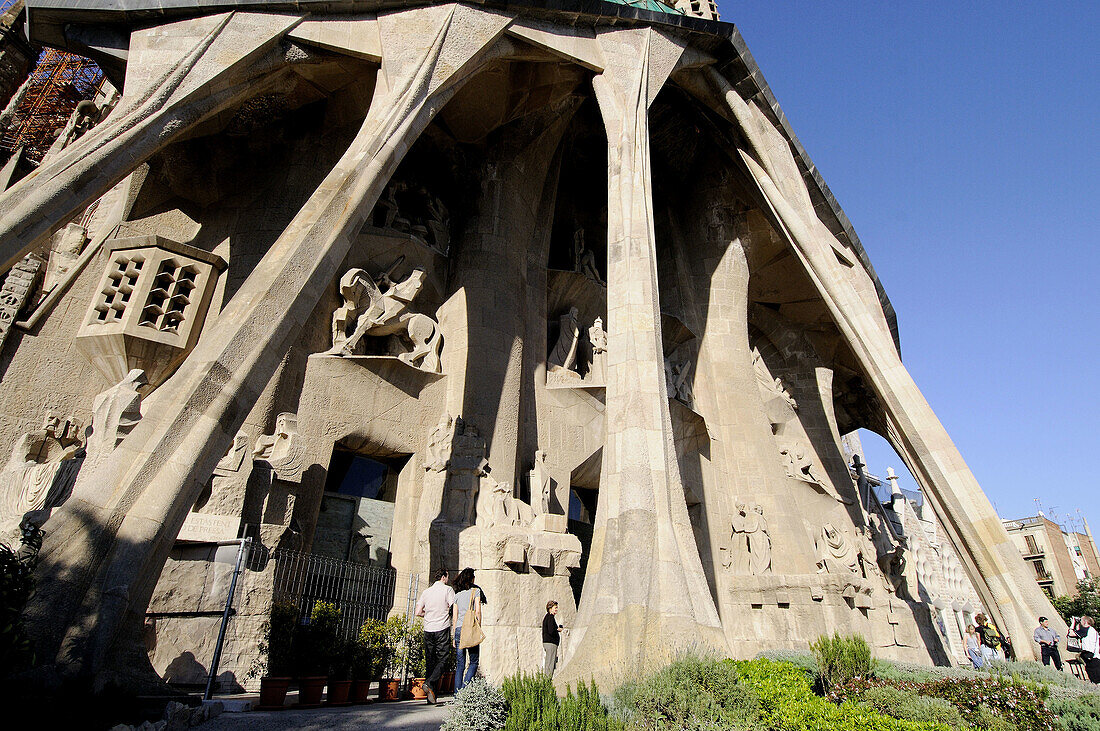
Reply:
x=530, y=265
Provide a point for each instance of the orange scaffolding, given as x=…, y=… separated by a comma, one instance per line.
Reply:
x=58, y=83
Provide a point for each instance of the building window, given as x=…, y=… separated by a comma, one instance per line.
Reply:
x=1032, y=547
x=118, y=286
x=171, y=294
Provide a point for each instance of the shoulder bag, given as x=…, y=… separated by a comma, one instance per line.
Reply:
x=471, y=635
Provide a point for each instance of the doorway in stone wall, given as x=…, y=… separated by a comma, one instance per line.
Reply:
x=355, y=522
x=584, y=496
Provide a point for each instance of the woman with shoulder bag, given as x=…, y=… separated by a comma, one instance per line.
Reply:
x=1090, y=649
x=467, y=618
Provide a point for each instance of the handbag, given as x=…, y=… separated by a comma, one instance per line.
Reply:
x=471, y=635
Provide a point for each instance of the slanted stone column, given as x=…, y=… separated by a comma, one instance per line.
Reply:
x=179, y=75
x=1006, y=586
x=645, y=595
x=105, y=549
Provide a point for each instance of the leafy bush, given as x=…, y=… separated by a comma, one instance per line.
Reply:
x=533, y=705
x=1086, y=601
x=16, y=588
x=372, y=654
x=788, y=703
x=799, y=658
x=316, y=645
x=1077, y=714
x=477, y=707
x=893, y=670
x=690, y=694
x=978, y=699
x=276, y=649
x=908, y=705
x=1036, y=672
x=840, y=659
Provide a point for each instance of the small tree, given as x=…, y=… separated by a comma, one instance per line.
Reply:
x=1087, y=601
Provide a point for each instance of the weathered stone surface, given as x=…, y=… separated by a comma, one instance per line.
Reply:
x=493, y=294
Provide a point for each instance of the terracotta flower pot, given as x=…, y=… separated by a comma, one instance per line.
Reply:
x=446, y=683
x=388, y=689
x=416, y=688
x=273, y=692
x=310, y=691
x=338, y=691
x=360, y=691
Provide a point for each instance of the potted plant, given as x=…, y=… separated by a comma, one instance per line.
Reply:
x=415, y=658
x=368, y=659
x=276, y=649
x=316, y=646
x=394, y=632
x=339, y=673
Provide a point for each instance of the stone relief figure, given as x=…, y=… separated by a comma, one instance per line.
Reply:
x=465, y=471
x=438, y=223
x=86, y=115
x=379, y=313
x=584, y=259
x=752, y=544
x=224, y=495
x=678, y=380
x=868, y=558
x=115, y=413
x=597, y=339
x=39, y=474
x=502, y=508
x=564, y=355
x=768, y=384
x=889, y=553
x=439, y=444
x=541, y=488
x=283, y=450
x=836, y=554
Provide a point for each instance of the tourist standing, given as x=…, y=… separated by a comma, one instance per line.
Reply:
x=551, y=637
x=1090, y=649
x=990, y=639
x=974, y=648
x=1048, y=643
x=467, y=598
x=434, y=605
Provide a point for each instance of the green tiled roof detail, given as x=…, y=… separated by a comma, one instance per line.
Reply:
x=654, y=5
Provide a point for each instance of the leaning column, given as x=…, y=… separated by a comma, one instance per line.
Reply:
x=645, y=595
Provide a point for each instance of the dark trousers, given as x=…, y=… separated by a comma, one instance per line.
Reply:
x=1092, y=668
x=1050, y=652
x=437, y=646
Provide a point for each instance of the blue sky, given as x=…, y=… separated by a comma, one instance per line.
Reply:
x=961, y=140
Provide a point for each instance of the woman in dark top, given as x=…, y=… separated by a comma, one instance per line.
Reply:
x=551, y=636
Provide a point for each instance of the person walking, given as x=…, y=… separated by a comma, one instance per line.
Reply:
x=974, y=648
x=1090, y=649
x=1048, y=643
x=468, y=597
x=551, y=637
x=434, y=605
x=990, y=639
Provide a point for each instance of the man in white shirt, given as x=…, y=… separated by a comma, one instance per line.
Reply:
x=434, y=605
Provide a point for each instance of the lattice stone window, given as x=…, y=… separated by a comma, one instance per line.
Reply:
x=122, y=276
x=149, y=307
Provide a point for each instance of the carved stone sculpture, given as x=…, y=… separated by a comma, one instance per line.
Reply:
x=379, y=313
x=18, y=287
x=115, y=413
x=597, y=339
x=751, y=552
x=39, y=474
x=439, y=224
x=836, y=554
x=466, y=470
x=541, y=486
x=283, y=450
x=678, y=380
x=564, y=355
x=584, y=259
x=439, y=445
x=502, y=508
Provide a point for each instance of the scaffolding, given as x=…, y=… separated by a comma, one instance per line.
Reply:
x=43, y=106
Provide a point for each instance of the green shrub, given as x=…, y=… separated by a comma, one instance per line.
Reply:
x=690, y=694
x=372, y=654
x=908, y=705
x=1020, y=704
x=893, y=670
x=477, y=707
x=1077, y=714
x=840, y=659
x=800, y=658
x=789, y=704
x=533, y=705
x=1036, y=672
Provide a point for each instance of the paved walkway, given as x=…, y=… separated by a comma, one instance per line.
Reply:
x=404, y=716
